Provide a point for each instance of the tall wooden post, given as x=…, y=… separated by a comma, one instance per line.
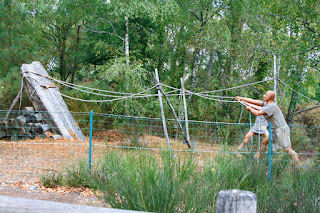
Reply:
x=179, y=114
x=162, y=111
x=234, y=200
x=185, y=109
x=174, y=113
x=176, y=117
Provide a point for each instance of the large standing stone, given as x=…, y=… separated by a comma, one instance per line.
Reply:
x=45, y=96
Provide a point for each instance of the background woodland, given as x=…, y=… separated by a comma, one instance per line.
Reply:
x=117, y=45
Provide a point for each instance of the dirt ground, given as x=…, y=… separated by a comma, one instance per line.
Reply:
x=80, y=196
x=22, y=163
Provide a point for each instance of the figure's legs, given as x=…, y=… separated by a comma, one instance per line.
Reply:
x=264, y=143
x=246, y=138
x=291, y=151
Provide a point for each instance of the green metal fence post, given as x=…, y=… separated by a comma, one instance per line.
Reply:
x=270, y=150
x=90, y=138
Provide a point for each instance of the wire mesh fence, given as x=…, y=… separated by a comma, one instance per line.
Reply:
x=30, y=146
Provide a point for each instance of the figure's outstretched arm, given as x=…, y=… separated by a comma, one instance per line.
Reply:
x=251, y=105
x=250, y=100
x=256, y=112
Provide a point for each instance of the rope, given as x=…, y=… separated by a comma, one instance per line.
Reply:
x=117, y=99
x=64, y=82
x=298, y=92
x=236, y=87
x=201, y=94
x=94, y=93
x=75, y=86
x=230, y=88
x=204, y=95
x=188, y=92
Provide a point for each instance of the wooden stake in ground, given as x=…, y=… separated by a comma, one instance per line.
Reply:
x=172, y=110
x=13, y=104
x=236, y=201
x=46, y=97
x=162, y=112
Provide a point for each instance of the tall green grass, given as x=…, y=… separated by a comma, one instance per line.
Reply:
x=167, y=182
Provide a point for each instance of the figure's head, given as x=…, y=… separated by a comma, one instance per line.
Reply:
x=269, y=96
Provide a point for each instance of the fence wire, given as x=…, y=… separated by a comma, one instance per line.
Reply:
x=27, y=151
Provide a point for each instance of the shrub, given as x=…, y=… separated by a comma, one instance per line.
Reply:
x=167, y=182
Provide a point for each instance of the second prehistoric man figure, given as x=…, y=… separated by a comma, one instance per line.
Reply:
x=273, y=114
x=260, y=127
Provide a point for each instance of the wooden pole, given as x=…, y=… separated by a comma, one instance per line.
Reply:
x=162, y=111
x=176, y=117
x=173, y=111
x=179, y=114
x=13, y=104
x=185, y=109
x=236, y=201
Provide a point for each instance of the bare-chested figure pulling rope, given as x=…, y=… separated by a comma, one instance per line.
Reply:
x=273, y=114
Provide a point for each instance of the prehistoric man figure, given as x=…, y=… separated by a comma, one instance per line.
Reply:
x=260, y=127
x=273, y=114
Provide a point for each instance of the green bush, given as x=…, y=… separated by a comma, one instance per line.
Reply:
x=138, y=180
x=52, y=180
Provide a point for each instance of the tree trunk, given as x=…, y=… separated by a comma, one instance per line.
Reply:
x=292, y=108
x=194, y=73
x=127, y=41
x=297, y=76
x=210, y=65
x=62, y=65
x=76, y=52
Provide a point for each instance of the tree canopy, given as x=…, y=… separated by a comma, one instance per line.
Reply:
x=214, y=44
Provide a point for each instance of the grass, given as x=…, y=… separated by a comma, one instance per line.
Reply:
x=172, y=182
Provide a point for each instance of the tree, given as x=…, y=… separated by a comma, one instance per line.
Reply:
x=58, y=22
x=16, y=35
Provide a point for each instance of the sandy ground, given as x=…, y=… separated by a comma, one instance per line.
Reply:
x=22, y=164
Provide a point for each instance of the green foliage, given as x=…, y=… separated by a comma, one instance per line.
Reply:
x=10, y=86
x=78, y=175
x=147, y=184
x=118, y=77
x=218, y=44
x=179, y=183
x=52, y=180
x=16, y=33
